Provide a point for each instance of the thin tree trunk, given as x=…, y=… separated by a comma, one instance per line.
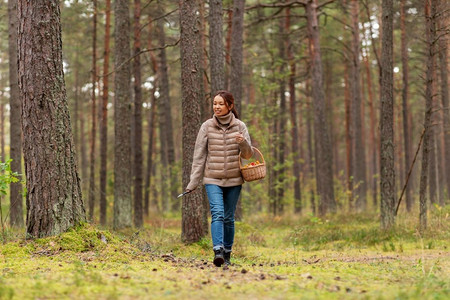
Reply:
x=93, y=115
x=163, y=119
x=387, y=176
x=206, y=103
x=138, y=158
x=443, y=48
x=324, y=155
x=104, y=119
x=122, y=117
x=348, y=140
x=151, y=134
x=194, y=224
x=216, y=46
x=2, y=130
x=405, y=105
x=230, y=30
x=293, y=114
x=309, y=137
x=16, y=203
x=373, y=140
x=236, y=71
x=359, y=151
x=54, y=201
x=151, y=131
x=282, y=121
x=430, y=36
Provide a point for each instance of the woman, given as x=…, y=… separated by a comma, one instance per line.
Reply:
x=216, y=160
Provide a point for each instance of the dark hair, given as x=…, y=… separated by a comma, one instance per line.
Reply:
x=229, y=99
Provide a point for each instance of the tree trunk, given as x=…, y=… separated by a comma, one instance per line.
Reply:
x=443, y=48
x=236, y=76
x=324, y=155
x=216, y=46
x=281, y=178
x=104, y=119
x=206, y=104
x=230, y=30
x=122, y=113
x=311, y=161
x=373, y=140
x=93, y=115
x=387, y=176
x=405, y=105
x=236, y=70
x=194, y=220
x=2, y=130
x=163, y=118
x=293, y=114
x=360, y=180
x=151, y=130
x=54, y=201
x=151, y=134
x=430, y=37
x=348, y=140
x=138, y=158
x=16, y=203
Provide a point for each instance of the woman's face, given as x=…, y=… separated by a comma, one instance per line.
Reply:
x=220, y=106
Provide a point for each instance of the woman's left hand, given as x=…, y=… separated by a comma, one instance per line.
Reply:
x=239, y=137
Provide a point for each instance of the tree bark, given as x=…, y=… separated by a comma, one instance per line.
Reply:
x=16, y=202
x=122, y=117
x=293, y=114
x=236, y=76
x=430, y=37
x=54, y=201
x=405, y=105
x=373, y=140
x=281, y=178
x=138, y=158
x=348, y=140
x=104, y=117
x=360, y=180
x=387, y=176
x=151, y=130
x=216, y=50
x=206, y=103
x=324, y=156
x=443, y=59
x=93, y=115
x=194, y=220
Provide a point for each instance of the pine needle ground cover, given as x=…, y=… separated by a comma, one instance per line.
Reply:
x=344, y=257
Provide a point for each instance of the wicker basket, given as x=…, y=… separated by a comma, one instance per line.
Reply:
x=256, y=172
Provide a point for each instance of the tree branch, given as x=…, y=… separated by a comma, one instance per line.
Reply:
x=139, y=53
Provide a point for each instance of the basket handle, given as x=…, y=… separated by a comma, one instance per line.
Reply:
x=257, y=150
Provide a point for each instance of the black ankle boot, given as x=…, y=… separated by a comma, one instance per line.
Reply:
x=227, y=257
x=218, y=257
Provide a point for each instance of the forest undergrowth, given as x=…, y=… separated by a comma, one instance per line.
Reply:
x=342, y=257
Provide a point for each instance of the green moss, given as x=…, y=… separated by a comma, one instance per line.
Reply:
x=274, y=259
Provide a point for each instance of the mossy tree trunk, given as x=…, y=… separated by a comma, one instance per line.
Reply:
x=54, y=202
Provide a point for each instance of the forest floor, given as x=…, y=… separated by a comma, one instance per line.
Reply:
x=344, y=257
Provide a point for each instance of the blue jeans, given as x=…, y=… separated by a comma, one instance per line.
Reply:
x=222, y=203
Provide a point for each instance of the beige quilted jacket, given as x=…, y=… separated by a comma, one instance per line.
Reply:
x=216, y=154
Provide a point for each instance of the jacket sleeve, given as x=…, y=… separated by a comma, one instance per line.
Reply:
x=199, y=160
x=246, y=145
